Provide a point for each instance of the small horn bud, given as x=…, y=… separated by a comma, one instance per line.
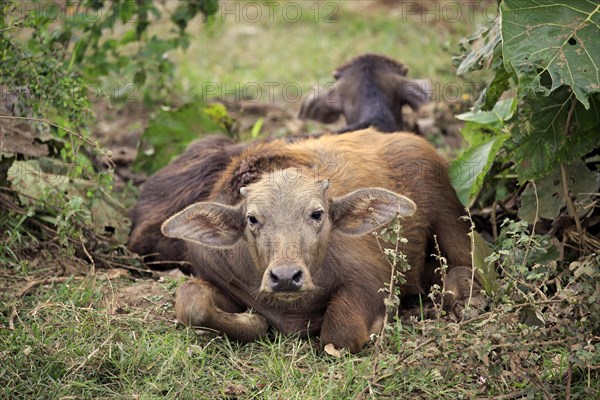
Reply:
x=244, y=191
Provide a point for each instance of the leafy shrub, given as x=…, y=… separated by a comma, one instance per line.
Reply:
x=541, y=113
x=56, y=58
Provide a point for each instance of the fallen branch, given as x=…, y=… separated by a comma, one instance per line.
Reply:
x=39, y=282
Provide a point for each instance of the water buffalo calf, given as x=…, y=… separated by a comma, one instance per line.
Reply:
x=369, y=91
x=283, y=240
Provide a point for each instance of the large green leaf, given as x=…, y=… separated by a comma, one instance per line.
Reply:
x=558, y=38
x=484, y=132
x=469, y=170
x=502, y=111
x=553, y=129
x=546, y=198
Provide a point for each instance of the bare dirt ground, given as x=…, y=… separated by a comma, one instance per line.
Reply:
x=147, y=298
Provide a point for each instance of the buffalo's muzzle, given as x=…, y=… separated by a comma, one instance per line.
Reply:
x=286, y=279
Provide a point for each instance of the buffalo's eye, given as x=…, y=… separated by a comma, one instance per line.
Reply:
x=317, y=215
x=252, y=220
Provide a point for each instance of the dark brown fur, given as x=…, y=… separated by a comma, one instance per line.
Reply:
x=188, y=179
x=345, y=305
x=370, y=91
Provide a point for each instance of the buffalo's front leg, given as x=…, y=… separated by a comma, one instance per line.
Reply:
x=349, y=322
x=462, y=289
x=198, y=303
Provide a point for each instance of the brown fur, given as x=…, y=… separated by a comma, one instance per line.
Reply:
x=343, y=272
x=369, y=91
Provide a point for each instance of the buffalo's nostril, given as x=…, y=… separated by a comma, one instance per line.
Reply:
x=286, y=279
x=298, y=278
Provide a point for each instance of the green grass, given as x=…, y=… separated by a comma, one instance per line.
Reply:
x=306, y=51
x=64, y=341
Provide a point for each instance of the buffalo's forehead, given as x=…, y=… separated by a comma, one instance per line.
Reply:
x=291, y=190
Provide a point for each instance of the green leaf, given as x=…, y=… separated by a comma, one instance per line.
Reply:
x=553, y=130
x=487, y=270
x=476, y=134
x=502, y=111
x=171, y=131
x=218, y=113
x=546, y=198
x=140, y=77
x=468, y=171
x=560, y=38
x=257, y=127
x=483, y=131
x=128, y=37
x=209, y=7
x=478, y=49
x=127, y=10
x=182, y=15
x=492, y=93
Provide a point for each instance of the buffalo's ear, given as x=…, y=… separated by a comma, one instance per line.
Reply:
x=323, y=105
x=363, y=210
x=211, y=224
x=414, y=92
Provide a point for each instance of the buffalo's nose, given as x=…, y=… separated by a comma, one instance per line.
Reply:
x=286, y=279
